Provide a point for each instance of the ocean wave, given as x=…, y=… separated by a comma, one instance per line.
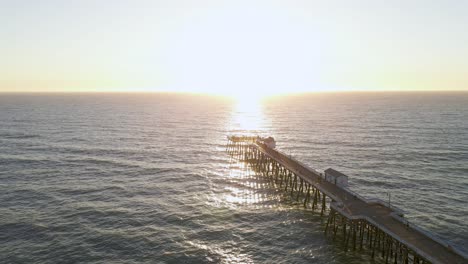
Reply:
x=17, y=135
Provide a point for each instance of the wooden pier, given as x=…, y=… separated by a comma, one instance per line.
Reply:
x=367, y=225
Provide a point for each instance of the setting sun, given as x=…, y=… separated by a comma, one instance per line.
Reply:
x=264, y=52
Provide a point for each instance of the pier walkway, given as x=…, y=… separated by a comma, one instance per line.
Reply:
x=386, y=224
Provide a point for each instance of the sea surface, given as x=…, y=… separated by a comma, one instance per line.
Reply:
x=144, y=178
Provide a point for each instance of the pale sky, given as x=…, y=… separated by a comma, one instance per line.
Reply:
x=232, y=47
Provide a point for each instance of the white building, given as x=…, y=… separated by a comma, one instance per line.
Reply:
x=336, y=177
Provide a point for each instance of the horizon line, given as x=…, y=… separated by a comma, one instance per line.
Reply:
x=227, y=95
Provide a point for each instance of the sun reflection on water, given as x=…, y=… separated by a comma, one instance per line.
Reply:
x=226, y=253
x=243, y=188
x=247, y=117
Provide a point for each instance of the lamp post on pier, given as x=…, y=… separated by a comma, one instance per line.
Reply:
x=389, y=196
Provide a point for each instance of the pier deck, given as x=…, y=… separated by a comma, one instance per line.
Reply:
x=354, y=207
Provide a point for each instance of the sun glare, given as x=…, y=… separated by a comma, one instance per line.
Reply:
x=248, y=116
x=262, y=53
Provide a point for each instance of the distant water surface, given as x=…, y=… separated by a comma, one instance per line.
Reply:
x=125, y=178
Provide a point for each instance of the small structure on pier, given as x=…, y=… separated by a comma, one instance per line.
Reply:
x=269, y=142
x=336, y=177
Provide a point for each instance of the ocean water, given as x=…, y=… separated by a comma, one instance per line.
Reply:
x=144, y=178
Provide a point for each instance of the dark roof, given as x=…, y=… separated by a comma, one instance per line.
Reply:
x=334, y=172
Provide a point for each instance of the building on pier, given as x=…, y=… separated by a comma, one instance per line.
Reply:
x=336, y=177
x=269, y=142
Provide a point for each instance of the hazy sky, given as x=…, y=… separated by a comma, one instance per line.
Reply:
x=231, y=47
